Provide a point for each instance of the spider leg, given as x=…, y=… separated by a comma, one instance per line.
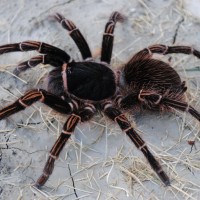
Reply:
x=163, y=49
x=115, y=115
x=108, y=36
x=154, y=100
x=41, y=59
x=183, y=106
x=128, y=101
x=41, y=47
x=68, y=128
x=149, y=99
x=76, y=35
x=43, y=96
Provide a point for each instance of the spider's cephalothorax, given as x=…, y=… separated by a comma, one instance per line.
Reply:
x=79, y=89
x=84, y=80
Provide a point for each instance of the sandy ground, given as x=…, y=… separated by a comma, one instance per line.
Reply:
x=99, y=162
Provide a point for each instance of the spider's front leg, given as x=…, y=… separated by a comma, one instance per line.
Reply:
x=82, y=115
x=41, y=47
x=108, y=36
x=125, y=125
x=76, y=35
x=52, y=55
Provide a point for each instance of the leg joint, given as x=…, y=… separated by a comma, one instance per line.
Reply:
x=107, y=105
x=76, y=116
x=22, y=103
x=42, y=96
x=52, y=156
x=90, y=107
x=120, y=117
x=73, y=105
x=20, y=46
x=67, y=132
x=142, y=146
x=149, y=96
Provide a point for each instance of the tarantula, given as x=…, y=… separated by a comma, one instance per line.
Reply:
x=80, y=89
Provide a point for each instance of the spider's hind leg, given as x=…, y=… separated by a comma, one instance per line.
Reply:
x=166, y=102
x=153, y=100
x=125, y=125
x=163, y=49
x=182, y=106
x=148, y=98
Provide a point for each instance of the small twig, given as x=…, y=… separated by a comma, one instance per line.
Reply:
x=177, y=29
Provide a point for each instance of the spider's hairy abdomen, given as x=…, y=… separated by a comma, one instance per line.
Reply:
x=85, y=80
x=153, y=73
x=149, y=80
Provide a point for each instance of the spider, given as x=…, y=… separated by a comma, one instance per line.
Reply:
x=80, y=89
